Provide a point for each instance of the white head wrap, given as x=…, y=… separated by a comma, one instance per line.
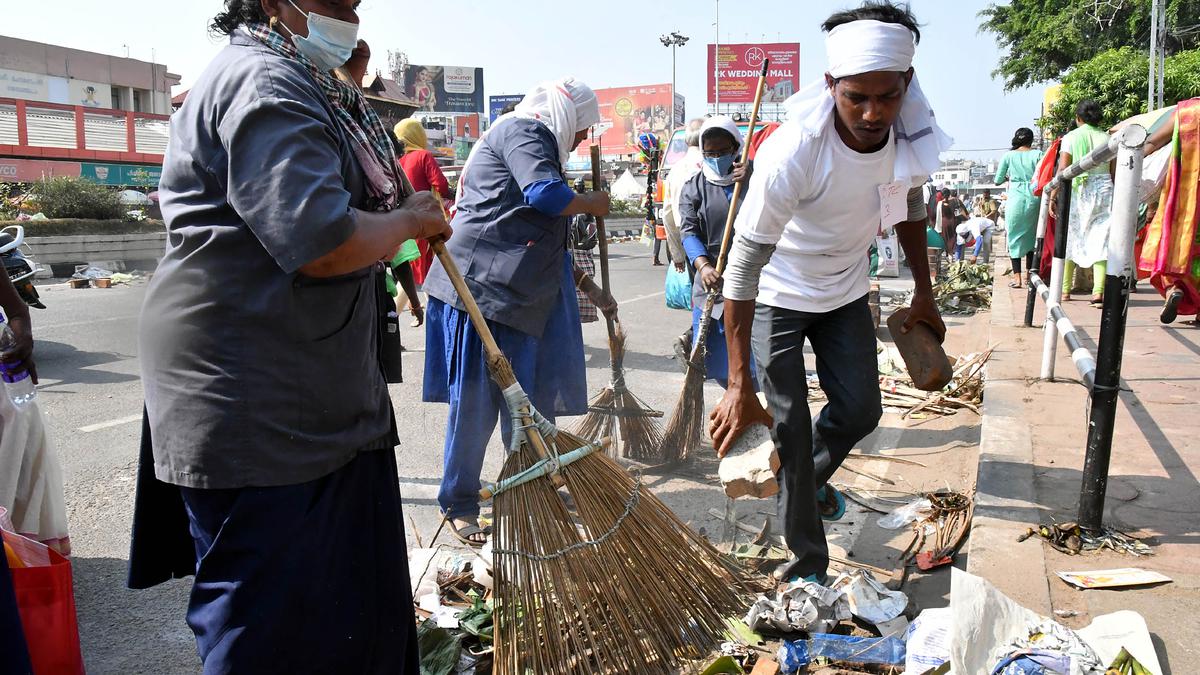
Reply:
x=566, y=107
x=868, y=46
x=727, y=125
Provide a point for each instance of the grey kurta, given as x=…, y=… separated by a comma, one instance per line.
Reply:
x=256, y=375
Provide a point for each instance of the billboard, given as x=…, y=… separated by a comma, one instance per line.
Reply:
x=445, y=89
x=626, y=112
x=738, y=68
x=499, y=103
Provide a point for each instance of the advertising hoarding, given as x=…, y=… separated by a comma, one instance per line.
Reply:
x=626, y=112
x=738, y=67
x=445, y=89
x=498, y=103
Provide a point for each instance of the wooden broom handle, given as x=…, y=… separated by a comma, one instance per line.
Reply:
x=723, y=259
x=597, y=181
x=468, y=299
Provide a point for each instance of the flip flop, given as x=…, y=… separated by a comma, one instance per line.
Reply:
x=1013, y=284
x=784, y=573
x=831, y=504
x=1170, y=310
x=464, y=534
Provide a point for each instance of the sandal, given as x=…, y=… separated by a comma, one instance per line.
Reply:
x=1170, y=310
x=831, y=503
x=1014, y=284
x=465, y=534
x=1098, y=301
x=786, y=573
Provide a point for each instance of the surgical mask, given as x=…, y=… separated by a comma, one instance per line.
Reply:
x=330, y=41
x=722, y=165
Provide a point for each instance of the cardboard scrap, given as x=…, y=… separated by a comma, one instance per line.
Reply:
x=1122, y=578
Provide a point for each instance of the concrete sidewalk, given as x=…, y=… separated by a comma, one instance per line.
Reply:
x=1031, y=457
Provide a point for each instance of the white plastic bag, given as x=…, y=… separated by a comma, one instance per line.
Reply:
x=889, y=256
x=31, y=480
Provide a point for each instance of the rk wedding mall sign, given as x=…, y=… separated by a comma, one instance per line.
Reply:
x=734, y=69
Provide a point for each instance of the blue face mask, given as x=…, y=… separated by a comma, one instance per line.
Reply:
x=330, y=41
x=723, y=165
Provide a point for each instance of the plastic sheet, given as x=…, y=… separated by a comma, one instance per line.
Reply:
x=841, y=649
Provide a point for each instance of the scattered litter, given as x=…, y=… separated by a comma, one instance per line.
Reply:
x=1071, y=539
x=1066, y=613
x=966, y=290
x=800, y=606
x=918, y=509
x=726, y=665
x=928, y=640
x=1125, y=664
x=841, y=650
x=1121, y=578
x=869, y=600
x=89, y=272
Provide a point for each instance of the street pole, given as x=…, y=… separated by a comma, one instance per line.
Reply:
x=1152, y=95
x=1107, y=389
x=717, y=58
x=671, y=126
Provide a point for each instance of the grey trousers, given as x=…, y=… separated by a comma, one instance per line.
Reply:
x=844, y=343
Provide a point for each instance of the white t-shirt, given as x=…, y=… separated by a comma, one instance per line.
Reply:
x=818, y=202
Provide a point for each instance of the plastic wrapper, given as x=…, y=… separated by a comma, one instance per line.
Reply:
x=841, y=649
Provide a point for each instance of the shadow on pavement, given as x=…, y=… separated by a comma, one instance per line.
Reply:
x=66, y=364
x=124, y=631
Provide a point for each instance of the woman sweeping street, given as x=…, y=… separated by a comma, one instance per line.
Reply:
x=267, y=467
x=703, y=212
x=511, y=245
x=1021, y=214
x=1091, y=202
x=1171, y=252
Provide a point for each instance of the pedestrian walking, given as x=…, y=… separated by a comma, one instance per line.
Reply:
x=267, y=465
x=797, y=271
x=1018, y=168
x=1171, y=252
x=425, y=174
x=987, y=207
x=680, y=174
x=512, y=227
x=1091, y=202
x=584, y=240
x=703, y=212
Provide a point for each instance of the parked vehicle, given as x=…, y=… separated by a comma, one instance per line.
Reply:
x=20, y=268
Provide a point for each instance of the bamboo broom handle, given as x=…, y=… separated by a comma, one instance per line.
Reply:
x=602, y=232
x=723, y=259
x=485, y=335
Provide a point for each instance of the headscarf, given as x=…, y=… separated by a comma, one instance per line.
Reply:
x=565, y=107
x=867, y=46
x=412, y=135
x=369, y=138
x=727, y=125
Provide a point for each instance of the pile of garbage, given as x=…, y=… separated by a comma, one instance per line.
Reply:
x=940, y=522
x=900, y=395
x=452, y=589
x=967, y=289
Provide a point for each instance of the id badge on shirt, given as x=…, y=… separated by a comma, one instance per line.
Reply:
x=893, y=204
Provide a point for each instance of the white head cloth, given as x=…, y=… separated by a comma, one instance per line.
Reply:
x=726, y=124
x=867, y=46
x=566, y=107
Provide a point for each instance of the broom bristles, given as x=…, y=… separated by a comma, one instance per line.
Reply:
x=647, y=593
x=686, y=427
x=617, y=407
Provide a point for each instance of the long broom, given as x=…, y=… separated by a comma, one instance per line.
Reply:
x=615, y=406
x=620, y=586
x=686, y=426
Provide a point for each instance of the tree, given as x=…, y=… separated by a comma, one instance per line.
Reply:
x=1117, y=79
x=1044, y=38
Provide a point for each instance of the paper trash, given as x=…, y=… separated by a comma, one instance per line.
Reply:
x=801, y=606
x=1121, y=578
x=1111, y=633
x=928, y=641
x=869, y=600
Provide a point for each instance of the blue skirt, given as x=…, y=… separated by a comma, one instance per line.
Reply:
x=552, y=369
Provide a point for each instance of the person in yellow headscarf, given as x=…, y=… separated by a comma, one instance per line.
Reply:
x=421, y=167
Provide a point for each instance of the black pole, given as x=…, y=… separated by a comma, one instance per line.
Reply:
x=1110, y=350
x=1062, y=220
x=1031, y=301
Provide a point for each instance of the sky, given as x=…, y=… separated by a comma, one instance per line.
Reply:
x=522, y=42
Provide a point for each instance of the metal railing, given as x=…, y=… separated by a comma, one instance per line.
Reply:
x=1102, y=373
x=53, y=130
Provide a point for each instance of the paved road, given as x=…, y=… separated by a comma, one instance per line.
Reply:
x=87, y=354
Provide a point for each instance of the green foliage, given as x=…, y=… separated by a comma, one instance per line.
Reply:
x=1117, y=80
x=626, y=208
x=8, y=201
x=1042, y=39
x=77, y=198
x=75, y=227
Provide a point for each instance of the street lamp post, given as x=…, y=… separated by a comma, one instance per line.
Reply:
x=674, y=40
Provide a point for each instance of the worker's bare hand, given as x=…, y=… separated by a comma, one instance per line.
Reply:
x=604, y=302
x=426, y=216
x=599, y=204
x=357, y=65
x=680, y=266
x=712, y=281
x=735, y=413
x=924, y=310
x=742, y=171
x=20, y=359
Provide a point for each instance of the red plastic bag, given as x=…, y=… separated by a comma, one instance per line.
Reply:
x=46, y=603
